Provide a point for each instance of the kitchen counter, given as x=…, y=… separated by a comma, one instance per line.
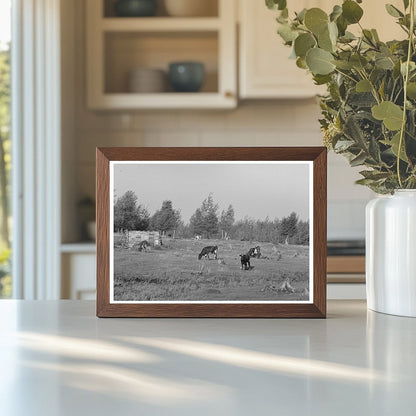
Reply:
x=57, y=358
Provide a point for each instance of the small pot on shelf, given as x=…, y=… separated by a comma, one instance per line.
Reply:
x=187, y=76
x=135, y=8
x=147, y=81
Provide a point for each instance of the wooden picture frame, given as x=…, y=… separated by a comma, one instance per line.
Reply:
x=280, y=158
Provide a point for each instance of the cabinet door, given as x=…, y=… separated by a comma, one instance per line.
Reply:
x=265, y=68
x=78, y=276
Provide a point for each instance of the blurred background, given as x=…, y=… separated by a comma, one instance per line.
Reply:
x=145, y=73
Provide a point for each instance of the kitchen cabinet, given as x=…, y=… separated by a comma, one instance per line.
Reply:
x=265, y=70
x=118, y=45
x=78, y=263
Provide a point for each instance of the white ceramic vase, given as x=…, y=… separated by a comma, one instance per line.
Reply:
x=391, y=253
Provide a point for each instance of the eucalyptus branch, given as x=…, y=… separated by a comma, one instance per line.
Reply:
x=346, y=75
x=373, y=88
x=392, y=91
x=398, y=95
x=406, y=80
x=386, y=96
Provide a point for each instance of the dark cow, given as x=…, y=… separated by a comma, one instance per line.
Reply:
x=206, y=251
x=245, y=261
x=143, y=245
x=254, y=252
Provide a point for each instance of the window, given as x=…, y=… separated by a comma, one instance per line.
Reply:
x=5, y=147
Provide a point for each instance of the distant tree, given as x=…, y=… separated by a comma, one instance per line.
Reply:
x=227, y=221
x=245, y=229
x=196, y=223
x=302, y=235
x=166, y=219
x=184, y=230
x=128, y=214
x=209, y=211
x=204, y=221
x=288, y=228
x=142, y=218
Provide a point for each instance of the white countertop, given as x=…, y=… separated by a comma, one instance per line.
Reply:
x=57, y=358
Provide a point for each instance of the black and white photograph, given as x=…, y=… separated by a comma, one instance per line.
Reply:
x=187, y=231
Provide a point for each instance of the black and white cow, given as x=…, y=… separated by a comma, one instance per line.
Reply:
x=206, y=251
x=143, y=245
x=254, y=252
x=245, y=261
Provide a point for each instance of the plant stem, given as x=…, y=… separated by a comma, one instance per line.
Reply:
x=406, y=80
x=373, y=88
x=346, y=75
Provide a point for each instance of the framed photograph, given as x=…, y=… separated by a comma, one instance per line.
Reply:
x=211, y=232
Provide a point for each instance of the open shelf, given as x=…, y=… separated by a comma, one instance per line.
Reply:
x=211, y=9
x=126, y=51
x=81, y=247
x=160, y=24
x=119, y=45
x=168, y=100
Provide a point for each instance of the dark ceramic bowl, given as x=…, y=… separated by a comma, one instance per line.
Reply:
x=135, y=8
x=186, y=76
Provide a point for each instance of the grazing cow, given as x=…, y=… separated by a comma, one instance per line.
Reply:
x=206, y=251
x=143, y=245
x=254, y=252
x=245, y=262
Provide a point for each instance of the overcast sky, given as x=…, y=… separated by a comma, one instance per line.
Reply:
x=254, y=190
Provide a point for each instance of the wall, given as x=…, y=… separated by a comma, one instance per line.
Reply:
x=254, y=123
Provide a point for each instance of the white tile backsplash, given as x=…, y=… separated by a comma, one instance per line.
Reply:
x=346, y=219
x=258, y=123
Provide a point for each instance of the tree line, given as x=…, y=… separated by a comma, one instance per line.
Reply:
x=207, y=222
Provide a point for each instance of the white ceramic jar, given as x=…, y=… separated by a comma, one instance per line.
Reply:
x=391, y=253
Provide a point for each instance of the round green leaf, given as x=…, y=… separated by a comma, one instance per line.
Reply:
x=395, y=144
x=363, y=86
x=351, y=11
x=319, y=61
x=301, y=15
x=336, y=12
x=333, y=32
x=393, y=11
x=287, y=33
x=316, y=20
x=411, y=90
x=344, y=65
x=301, y=63
x=391, y=114
x=324, y=41
x=384, y=62
x=358, y=61
x=303, y=43
x=276, y=4
x=328, y=38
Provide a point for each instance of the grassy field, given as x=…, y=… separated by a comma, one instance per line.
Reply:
x=173, y=272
